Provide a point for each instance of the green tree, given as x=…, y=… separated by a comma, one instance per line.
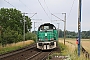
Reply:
x=31, y=36
x=10, y=36
x=14, y=19
x=86, y=34
x=61, y=33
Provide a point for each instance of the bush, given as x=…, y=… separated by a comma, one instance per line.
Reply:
x=20, y=38
x=30, y=36
x=10, y=36
x=62, y=46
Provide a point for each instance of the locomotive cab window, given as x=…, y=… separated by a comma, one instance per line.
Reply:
x=41, y=28
x=46, y=27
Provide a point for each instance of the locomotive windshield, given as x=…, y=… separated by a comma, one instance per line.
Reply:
x=46, y=27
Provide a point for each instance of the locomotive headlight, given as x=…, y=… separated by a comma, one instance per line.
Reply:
x=40, y=39
x=52, y=39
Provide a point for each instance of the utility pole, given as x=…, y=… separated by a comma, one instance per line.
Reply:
x=34, y=27
x=35, y=22
x=0, y=35
x=58, y=25
x=64, y=27
x=24, y=25
x=58, y=30
x=79, y=28
x=24, y=28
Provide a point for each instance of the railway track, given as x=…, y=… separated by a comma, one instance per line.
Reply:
x=31, y=53
x=40, y=56
x=20, y=54
x=43, y=55
x=27, y=53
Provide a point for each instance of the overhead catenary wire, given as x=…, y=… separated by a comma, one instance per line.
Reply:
x=43, y=9
x=47, y=7
x=28, y=9
x=71, y=9
x=10, y=3
x=25, y=5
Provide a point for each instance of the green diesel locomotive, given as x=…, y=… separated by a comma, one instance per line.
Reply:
x=47, y=37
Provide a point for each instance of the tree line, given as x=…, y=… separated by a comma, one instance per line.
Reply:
x=11, y=26
x=73, y=34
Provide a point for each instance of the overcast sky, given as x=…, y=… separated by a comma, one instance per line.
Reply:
x=44, y=8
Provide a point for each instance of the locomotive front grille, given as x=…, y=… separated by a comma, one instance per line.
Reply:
x=46, y=43
x=52, y=43
x=40, y=44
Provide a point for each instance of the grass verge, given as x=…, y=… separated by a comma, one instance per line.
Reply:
x=70, y=51
x=11, y=47
x=63, y=48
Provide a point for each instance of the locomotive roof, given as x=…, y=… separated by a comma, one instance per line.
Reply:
x=47, y=24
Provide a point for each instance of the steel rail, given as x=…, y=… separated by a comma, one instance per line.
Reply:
x=17, y=51
x=33, y=56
